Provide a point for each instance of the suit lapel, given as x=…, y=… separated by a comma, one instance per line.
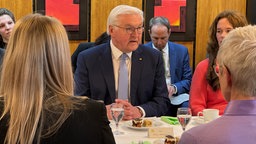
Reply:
x=172, y=60
x=137, y=65
x=108, y=73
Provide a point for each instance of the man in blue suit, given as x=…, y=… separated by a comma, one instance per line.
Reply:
x=97, y=73
x=176, y=62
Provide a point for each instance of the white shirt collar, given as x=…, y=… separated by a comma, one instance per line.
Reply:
x=116, y=53
x=165, y=49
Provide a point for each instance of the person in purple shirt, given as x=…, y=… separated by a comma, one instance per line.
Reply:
x=235, y=67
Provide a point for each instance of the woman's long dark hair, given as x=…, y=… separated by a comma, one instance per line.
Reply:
x=236, y=19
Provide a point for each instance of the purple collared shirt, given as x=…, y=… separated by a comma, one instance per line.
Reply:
x=236, y=126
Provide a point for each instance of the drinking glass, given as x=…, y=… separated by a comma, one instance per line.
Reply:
x=117, y=113
x=184, y=115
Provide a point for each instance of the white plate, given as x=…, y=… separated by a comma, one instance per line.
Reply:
x=154, y=124
x=159, y=141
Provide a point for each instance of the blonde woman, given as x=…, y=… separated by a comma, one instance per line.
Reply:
x=37, y=102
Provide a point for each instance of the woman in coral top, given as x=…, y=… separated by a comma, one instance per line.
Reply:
x=205, y=88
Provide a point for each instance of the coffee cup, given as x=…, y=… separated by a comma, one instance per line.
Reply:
x=208, y=114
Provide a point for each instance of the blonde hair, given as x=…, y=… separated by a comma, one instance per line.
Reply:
x=36, y=79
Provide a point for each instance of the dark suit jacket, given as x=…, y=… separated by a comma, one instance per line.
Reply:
x=88, y=125
x=81, y=47
x=94, y=77
x=180, y=70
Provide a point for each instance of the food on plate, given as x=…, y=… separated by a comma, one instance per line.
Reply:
x=137, y=122
x=147, y=123
x=169, y=139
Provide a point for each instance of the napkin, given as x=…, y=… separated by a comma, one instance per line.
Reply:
x=170, y=120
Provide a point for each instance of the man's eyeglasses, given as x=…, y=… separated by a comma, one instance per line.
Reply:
x=130, y=30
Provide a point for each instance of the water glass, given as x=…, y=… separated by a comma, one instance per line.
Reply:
x=117, y=113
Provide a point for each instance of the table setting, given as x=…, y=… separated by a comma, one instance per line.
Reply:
x=156, y=130
x=140, y=135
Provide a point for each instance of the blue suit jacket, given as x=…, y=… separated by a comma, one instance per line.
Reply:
x=180, y=70
x=94, y=77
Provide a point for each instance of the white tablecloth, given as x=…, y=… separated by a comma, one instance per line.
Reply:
x=133, y=136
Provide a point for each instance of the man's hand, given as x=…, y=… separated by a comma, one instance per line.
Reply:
x=171, y=90
x=130, y=111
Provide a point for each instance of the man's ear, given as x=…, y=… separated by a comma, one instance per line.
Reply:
x=227, y=76
x=110, y=29
x=169, y=32
x=149, y=31
x=225, y=82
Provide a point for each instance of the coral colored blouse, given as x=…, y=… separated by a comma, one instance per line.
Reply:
x=202, y=95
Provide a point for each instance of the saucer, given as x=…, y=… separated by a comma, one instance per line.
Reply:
x=199, y=120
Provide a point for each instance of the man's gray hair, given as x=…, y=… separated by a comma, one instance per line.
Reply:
x=161, y=21
x=120, y=10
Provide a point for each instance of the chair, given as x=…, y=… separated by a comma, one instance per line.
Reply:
x=81, y=47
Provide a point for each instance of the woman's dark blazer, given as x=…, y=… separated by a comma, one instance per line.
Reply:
x=88, y=125
x=1, y=55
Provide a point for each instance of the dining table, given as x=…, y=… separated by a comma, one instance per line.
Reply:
x=135, y=135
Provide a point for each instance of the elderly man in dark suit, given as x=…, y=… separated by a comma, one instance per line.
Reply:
x=98, y=69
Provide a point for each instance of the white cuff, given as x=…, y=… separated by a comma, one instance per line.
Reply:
x=175, y=92
x=143, y=112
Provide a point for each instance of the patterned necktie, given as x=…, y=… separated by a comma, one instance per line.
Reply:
x=166, y=72
x=123, y=78
x=164, y=61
